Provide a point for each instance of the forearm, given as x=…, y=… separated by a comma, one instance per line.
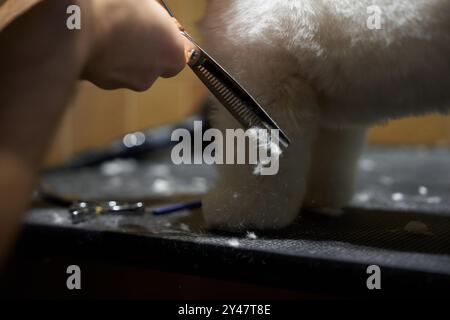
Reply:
x=16, y=184
x=121, y=44
x=40, y=61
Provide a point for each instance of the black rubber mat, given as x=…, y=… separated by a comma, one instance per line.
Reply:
x=398, y=190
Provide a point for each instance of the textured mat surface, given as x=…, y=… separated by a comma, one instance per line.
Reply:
x=398, y=190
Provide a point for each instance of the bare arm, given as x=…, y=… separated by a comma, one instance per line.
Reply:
x=123, y=43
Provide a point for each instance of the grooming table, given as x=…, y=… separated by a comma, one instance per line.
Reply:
x=318, y=255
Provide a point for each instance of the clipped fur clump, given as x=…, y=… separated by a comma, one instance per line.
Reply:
x=325, y=77
x=267, y=145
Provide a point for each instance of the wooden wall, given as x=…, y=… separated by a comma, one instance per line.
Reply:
x=433, y=130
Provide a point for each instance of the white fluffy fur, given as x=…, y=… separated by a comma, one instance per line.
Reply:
x=325, y=78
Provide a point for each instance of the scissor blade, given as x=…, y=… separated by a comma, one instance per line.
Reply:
x=164, y=3
x=234, y=97
x=244, y=108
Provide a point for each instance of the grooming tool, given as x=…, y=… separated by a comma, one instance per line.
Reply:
x=82, y=211
x=227, y=90
x=133, y=145
x=176, y=208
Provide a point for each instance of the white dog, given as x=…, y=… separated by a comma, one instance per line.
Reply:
x=326, y=70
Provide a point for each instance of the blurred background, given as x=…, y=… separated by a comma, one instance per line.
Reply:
x=97, y=117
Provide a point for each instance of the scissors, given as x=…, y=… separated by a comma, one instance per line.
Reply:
x=244, y=108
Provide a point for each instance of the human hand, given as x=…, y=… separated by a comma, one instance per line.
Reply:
x=132, y=43
x=122, y=43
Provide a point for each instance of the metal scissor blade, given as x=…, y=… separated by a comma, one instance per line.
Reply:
x=247, y=111
x=233, y=96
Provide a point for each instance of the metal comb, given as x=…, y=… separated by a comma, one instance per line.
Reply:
x=244, y=108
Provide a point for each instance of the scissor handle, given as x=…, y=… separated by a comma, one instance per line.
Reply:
x=81, y=211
